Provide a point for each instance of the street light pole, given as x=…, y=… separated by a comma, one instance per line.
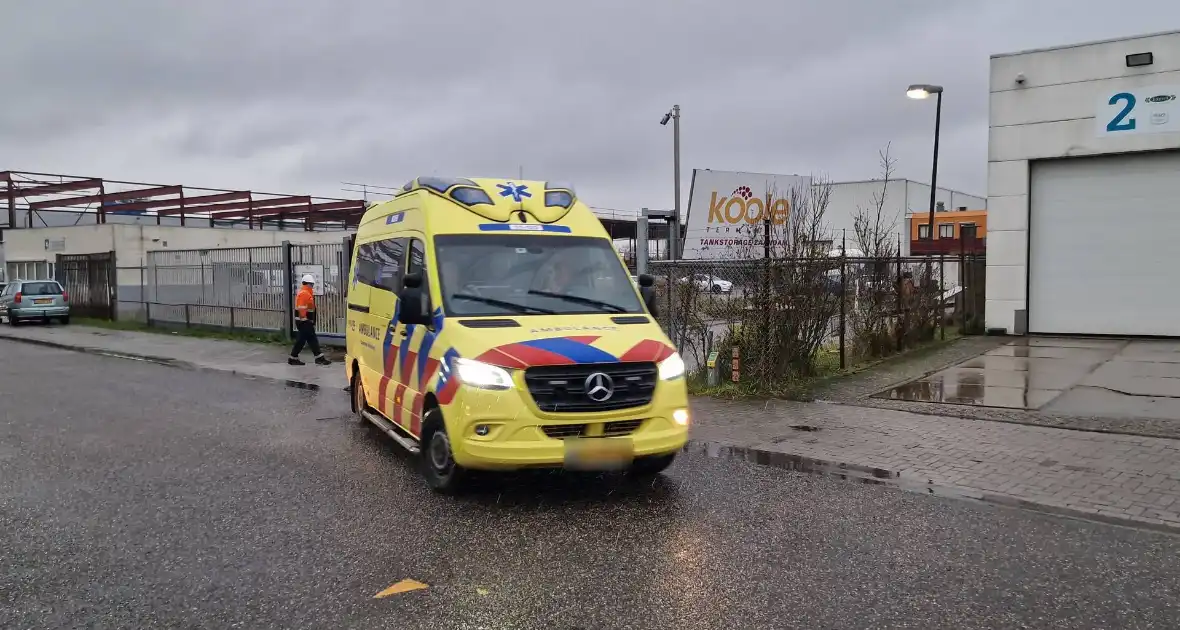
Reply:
x=920, y=92
x=674, y=240
x=934, y=166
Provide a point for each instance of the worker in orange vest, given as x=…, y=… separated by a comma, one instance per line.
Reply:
x=305, y=324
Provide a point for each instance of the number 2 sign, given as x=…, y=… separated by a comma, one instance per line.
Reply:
x=1141, y=110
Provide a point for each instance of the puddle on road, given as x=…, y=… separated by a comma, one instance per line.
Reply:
x=982, y=387
x=789, y=461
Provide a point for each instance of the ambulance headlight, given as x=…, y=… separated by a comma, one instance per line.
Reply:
x=482, y=375
x=672, y=367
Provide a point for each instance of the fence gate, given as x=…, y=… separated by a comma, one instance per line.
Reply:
x=328, y=263
x=90, y=281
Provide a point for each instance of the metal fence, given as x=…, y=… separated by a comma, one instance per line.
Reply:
x=89, y=279
x=329, y=263
x=838, y=309
x=247, y=288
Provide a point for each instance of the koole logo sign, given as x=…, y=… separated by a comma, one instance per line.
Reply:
x=741, y=206
x=728, y=212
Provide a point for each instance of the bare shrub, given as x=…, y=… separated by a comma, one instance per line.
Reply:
x=872, y=298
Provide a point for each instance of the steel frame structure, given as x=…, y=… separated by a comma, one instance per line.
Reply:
x=36, y=192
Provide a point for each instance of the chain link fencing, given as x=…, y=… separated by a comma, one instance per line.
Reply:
x=806, y=316
x=249, y=288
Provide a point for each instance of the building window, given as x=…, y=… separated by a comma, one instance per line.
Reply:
x=923, y=231
x=946, y=230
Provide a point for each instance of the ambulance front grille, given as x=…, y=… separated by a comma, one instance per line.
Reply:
x=621, y=427
x=562, y=431
x=618, y=428
x=562, y=388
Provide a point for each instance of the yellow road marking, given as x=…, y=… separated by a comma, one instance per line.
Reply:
x=401, y=587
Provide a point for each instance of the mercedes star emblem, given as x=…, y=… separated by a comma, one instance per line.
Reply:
x=600, y=387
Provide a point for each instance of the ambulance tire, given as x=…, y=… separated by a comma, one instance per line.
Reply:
x=438, y=462
x=651, y=465
x=359, y=404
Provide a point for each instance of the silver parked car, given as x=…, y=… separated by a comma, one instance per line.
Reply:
x=34, y=299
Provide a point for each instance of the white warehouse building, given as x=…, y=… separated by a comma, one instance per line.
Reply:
x=902, y=198
x=1084, y=189
x=713, y=233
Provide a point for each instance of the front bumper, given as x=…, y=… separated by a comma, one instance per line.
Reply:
x=521, y=436
x=32, y=312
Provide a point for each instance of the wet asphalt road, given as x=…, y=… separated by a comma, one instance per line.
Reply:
x=140, y=496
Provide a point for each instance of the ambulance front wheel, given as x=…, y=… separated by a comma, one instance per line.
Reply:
x=438, y=459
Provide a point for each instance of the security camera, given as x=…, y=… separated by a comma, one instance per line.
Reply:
x=1019, y=78
x=666, y=118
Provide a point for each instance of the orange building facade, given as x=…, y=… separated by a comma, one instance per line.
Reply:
x=958, y=231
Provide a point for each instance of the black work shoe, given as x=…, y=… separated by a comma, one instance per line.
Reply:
x=322, y=361
x=294, y=361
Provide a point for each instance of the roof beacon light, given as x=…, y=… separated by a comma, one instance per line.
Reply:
x=470, y=196
x=558, y=199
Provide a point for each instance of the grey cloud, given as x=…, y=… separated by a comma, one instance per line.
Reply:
x=301, y=96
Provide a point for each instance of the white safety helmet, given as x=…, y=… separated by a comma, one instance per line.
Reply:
x=308, y=278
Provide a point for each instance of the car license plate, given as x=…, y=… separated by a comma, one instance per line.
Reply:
x=598, y=453
x=46, y=301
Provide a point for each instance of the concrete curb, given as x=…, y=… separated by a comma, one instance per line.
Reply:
x=99, y=351
x=967, y=414
x=166, y=361
x=884, y=477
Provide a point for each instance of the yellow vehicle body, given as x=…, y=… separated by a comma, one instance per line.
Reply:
x=516, y=373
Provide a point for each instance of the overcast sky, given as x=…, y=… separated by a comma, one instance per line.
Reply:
x=296, y=97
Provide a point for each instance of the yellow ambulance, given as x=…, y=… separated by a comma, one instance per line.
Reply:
x=493, y=326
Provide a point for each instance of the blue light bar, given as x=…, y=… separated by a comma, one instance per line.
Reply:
x=558, y=199
x=443, y=184
x=523, y=227
x=469, y=196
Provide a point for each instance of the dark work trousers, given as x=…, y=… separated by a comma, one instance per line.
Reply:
x=305, y=334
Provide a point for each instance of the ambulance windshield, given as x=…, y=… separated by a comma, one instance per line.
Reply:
x=530, y=274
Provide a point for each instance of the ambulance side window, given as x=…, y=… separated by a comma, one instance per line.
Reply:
x=366, y=267
x=390, y=256
x=417, y=264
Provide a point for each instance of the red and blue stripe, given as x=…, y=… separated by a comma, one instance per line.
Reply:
x=549, y=351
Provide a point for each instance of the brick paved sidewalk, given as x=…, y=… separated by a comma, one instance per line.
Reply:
x=1100, y=475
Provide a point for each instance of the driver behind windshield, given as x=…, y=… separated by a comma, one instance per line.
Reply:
x=558, y=276
x=532, y=274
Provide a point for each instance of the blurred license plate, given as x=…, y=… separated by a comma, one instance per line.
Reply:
x=48, y=301
x=598, y=453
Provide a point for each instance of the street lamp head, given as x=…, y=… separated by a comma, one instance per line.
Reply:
x=923, y=90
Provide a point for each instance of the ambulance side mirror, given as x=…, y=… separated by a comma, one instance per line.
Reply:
x=647, y=290
x=412, y=310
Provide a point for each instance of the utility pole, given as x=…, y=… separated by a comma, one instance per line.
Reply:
x=674, y=242
x=676, y=175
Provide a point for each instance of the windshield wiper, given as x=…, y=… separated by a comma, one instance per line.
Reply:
x=606, y=306
x=512, y=306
